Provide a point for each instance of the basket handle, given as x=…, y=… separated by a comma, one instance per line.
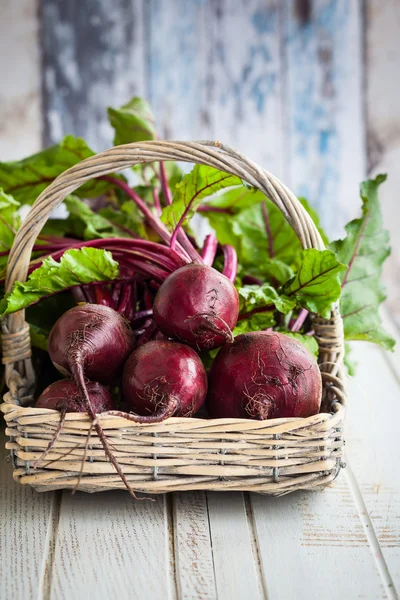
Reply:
x=116, y=159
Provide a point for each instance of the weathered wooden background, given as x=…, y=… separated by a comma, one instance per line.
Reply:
x=308, y=88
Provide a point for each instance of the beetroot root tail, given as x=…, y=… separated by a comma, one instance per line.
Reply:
x=258, y=408
x=208, y=325
x=85, y=450
x=77, y=371
x=166, y=411
x=57, y=432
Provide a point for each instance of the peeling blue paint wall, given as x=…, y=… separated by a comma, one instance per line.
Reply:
x=280, y=80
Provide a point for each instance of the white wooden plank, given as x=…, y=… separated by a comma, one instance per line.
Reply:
x=94, y=58
x=372, y=433
x=20, y=126
x=383, y=130
x=246, y=90
x=178, y=60
x=324, y=95
x=390, y=325
x=236, y=566
x=192, y=545
x=365, y=551
x=24, y=522
x=109, y=546
x=313, y=545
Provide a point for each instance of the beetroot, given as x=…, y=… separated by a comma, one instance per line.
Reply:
x=93, y=341
x=91, y=337
x=197, y=305
x=162, y=379
x=264, y=375
x=64, y=395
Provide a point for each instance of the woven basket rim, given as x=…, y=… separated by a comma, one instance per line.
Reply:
x=7, y=407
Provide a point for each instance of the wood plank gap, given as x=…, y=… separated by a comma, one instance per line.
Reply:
x=262, y=582
x=391, y=364
x=392, y=358
x=46, y=566
x=370, y=534
x=211, y=543
x=171, y=524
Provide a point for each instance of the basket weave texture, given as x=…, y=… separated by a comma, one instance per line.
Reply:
x=275, y=457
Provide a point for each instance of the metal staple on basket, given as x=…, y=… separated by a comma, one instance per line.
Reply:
x=155, y=456
x=296, y=462
x=275, y=470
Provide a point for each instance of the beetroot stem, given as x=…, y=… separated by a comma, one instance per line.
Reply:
x=166, y=192
x=157, y=203
x=153, y=221
x=299, y=322
x=209, y=249
x=180, y=234
x=230, y=262
x=268, y=229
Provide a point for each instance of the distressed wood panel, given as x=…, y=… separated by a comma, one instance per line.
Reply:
x=355, y=523
x=314, y=546
x=20, y=110
x=237, y=572
x=93, y=57
x=194, y=565
x=108, y=546
x=177, y=63
x=324, y=98
x=214, y=71
x=246, y=93
x=372, y=426
x=25, y=518
x=383, y=124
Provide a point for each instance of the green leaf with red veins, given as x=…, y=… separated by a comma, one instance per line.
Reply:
x=364, y=249
x=316, y=285
x=76, y=267
x=133, y=122
x=200, y=183
x=129, y=217
x=89, y=225
x=26, y=179
x=265, y=243
x=9, y=224
x=258, y=297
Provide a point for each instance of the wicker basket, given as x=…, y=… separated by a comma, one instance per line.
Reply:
x=273, y=457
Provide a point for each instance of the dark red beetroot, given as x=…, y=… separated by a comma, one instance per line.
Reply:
x=92, y=341
x=93, y=337
x=197, y=305
x=163, y=379
x=64, y=395
x=264, y=375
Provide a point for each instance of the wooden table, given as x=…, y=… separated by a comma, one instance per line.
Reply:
x=342, y=543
